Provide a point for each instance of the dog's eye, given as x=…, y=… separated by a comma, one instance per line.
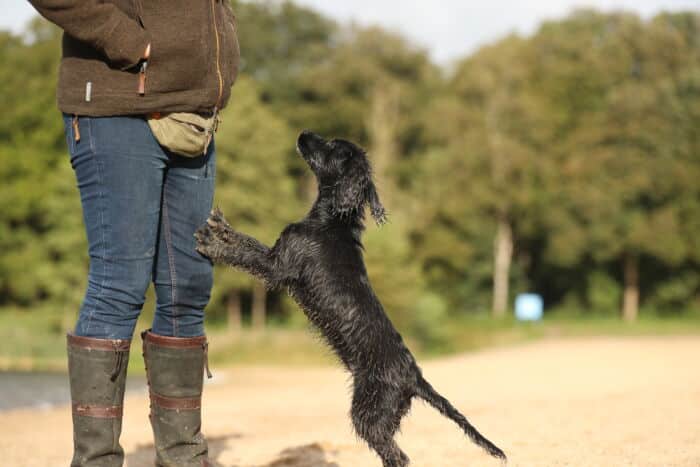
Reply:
x=344, y=154
x=344, y=160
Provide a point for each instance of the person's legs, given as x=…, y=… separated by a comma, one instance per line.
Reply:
x=175, y=349
x=119, y=170
x=183, y=277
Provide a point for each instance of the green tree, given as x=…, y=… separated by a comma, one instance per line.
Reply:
x=40, y=223
x=490, y=126
x=629, y=139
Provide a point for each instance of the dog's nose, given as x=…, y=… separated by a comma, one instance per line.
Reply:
x=305, y=143
x=310, y=140
x=307, y=135
x=304, y=135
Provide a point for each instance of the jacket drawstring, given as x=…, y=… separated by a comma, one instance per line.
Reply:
x=76, y=129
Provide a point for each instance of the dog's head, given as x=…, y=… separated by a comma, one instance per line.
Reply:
x=343, y=173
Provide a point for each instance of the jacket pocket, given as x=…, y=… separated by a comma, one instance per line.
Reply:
x=180, y=47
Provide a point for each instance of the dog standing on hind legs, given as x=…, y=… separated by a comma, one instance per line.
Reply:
x=319, y=261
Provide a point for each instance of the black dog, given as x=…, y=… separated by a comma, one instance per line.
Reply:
x=319, y=260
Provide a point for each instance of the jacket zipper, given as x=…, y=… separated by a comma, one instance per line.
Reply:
x=218, y=65
x=144, y=64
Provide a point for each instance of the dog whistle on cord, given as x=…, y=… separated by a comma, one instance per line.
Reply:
x=76, y=129
x=142, y=77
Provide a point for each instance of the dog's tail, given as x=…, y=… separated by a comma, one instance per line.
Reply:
x=427, y=393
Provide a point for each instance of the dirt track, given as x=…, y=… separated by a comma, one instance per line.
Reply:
x=590, y=402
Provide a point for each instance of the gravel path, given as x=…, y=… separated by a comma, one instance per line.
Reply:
x=584, y=402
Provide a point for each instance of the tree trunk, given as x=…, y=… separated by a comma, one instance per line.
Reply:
x=233, y=308
x=259, y=306
x=630, y=304
x=502, y=254
x=500, y=168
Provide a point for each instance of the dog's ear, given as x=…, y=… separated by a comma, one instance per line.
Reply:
x=354, y=191
x=375, y=205
x=351, y=192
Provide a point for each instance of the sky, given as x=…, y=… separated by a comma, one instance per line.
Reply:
x=448, y=29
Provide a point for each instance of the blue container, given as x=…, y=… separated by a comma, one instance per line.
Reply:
x=529, y=307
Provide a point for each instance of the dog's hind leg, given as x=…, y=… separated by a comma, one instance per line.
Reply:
x=384, y=445
x=376, y=416
x=390, y=453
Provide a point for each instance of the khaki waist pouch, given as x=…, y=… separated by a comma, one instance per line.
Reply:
x=186, y=134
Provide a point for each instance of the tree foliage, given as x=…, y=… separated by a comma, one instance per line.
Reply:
x=565, y=163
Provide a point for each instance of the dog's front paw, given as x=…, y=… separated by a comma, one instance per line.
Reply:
x=214, y=237
x=208, y=245
x=219, y=225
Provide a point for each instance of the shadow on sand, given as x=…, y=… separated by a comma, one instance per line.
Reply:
x=310, y=455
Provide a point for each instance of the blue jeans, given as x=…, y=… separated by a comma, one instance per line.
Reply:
x=141, y=207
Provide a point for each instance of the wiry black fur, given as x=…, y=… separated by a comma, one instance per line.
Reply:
x=319, y=260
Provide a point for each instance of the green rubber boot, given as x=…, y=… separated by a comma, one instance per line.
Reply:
x=175, y=369
x=97, y=371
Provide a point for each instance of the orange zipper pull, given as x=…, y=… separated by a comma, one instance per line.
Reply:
x=142, y=78
x=76, y=130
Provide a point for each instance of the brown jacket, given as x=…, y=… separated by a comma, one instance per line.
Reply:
x=192, y=66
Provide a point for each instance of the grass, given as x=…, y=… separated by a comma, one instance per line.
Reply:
x=35, y=341
x=474, y=333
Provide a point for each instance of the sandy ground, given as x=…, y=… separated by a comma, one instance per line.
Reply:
x=589, y=402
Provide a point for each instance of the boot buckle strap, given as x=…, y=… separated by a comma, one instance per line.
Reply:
x=176, y=403
x=97, y=411
x=89, y=343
